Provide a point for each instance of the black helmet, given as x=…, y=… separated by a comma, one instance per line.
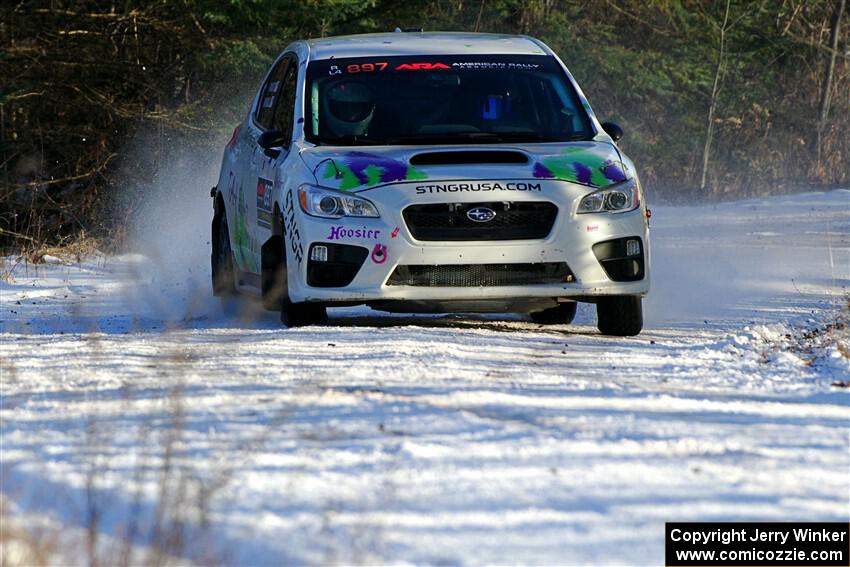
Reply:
x=349, y=105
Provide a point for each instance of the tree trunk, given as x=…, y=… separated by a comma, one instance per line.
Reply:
x=826, y=91
x=478, y=18
x=713, y=104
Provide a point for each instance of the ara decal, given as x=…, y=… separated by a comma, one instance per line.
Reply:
x=364, y=169
x=422, y=67
x=580, y=166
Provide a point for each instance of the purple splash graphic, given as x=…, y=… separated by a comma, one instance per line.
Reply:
x=541, y=171
x=391, y=169
x=613, y=172
x=583, y=173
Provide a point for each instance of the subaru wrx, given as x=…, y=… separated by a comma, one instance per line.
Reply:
x=429, y=172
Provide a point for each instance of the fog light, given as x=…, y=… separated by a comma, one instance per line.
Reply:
x=319, y=253
x=632, y=247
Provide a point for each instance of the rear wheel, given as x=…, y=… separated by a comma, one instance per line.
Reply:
x=223, y=274
x=620, y=315
x=561, y=314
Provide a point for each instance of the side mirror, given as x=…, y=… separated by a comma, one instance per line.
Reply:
x=613, y=130
x=272, y=141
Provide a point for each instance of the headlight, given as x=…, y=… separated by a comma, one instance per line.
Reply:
x=333, y=204
x=617, y=199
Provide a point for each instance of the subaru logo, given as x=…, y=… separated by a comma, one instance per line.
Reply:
x=481, y=214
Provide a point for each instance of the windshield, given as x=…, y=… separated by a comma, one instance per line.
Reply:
x=442, y=100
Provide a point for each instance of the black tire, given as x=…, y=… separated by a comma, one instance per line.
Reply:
x=301, y=314
x=620, y=315
x=223, y=274
x=561, y=314
x=276, y=287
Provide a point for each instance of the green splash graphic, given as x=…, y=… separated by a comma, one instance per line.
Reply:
x=345, y=178
x=242, y=242
x=414, y=174
x=579, y=165
x=373, y=174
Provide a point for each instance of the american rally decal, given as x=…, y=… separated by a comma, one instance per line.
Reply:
x=264, y=203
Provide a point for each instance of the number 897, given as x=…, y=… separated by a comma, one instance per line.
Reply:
x=366, y=67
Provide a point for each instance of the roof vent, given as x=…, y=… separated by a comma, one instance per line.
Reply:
x=470, y=157
x=408, y=30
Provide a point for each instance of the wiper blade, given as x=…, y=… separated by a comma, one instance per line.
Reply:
x=439, y=138
x=344, y=141
x=485, y=137
x=537, y=137
x=447, y=138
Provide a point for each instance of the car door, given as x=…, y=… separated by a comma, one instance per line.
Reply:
x=274, y=111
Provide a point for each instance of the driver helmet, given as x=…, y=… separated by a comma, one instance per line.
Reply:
x=349, y=107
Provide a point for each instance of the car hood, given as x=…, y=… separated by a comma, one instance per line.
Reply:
x=593, y=164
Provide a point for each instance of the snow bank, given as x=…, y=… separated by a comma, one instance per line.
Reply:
x=450, y=439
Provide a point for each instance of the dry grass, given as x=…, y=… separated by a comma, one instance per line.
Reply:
x=815, y=344
x=70, y=252
x=23, y=547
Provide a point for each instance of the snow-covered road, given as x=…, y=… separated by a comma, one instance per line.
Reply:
x=131, y=404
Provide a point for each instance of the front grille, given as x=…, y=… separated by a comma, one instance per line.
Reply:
x=473, y=275
x=512, y=221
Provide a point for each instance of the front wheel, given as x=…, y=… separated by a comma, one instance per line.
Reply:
x=561, y=314
x=619, y=315
x=276, y=286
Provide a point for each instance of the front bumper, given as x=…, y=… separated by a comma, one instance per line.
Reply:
x=385, y=243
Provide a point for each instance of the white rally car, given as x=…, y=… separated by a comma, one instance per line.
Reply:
x=429, y=172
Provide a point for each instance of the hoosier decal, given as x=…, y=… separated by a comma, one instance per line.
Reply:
x=340, y=232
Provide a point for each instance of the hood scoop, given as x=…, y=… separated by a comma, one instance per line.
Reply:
x=469, y=157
